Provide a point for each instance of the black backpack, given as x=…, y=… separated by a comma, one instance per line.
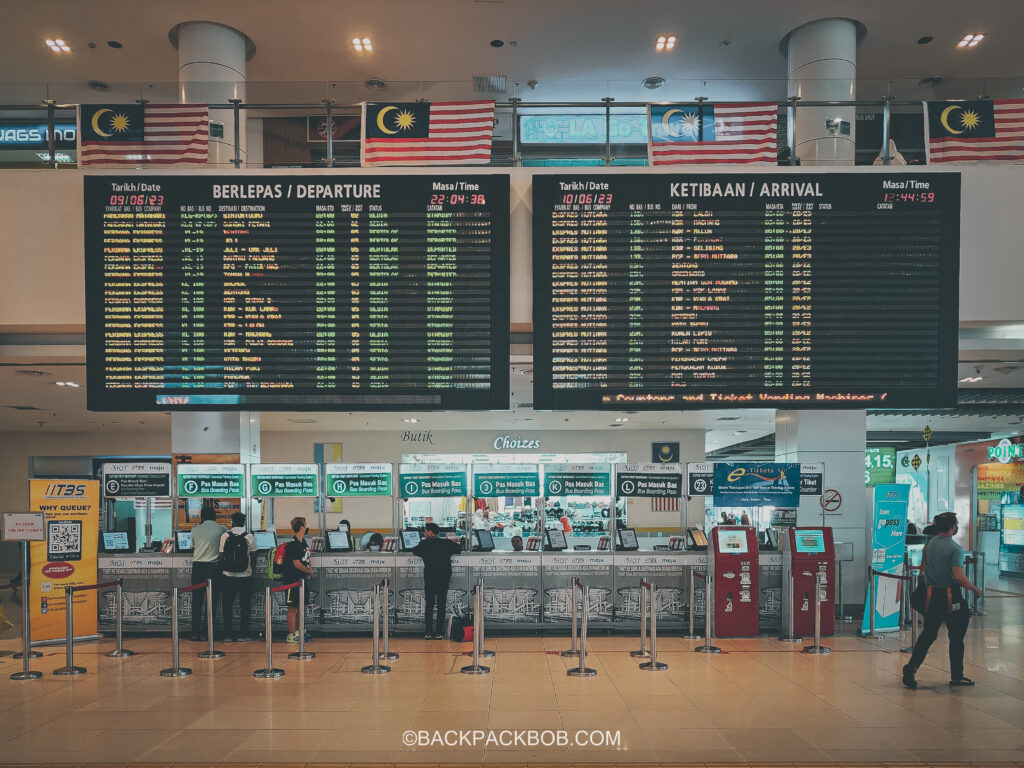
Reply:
x=235, y=557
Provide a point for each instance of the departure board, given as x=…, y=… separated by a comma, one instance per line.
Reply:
x=317, y=292
x=782, y=290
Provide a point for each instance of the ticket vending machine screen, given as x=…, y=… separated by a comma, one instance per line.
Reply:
x=731, y=542
x=810, y=541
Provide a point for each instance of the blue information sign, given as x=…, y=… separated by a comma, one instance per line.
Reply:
x=888, y=538
x=756, y=484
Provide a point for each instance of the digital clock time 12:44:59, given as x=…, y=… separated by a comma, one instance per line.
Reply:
x=908, y=197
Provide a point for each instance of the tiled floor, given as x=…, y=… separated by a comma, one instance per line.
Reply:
x=761, y=701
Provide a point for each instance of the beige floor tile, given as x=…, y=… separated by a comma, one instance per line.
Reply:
x=739, y=717
x=525, y=719
x=443, y=720
x=224, y=720
x=594, y=702
x=524, y=701
x=624, y=756
x=282, y=740
x=655, y=719
x=926, y=737
x=361, y=738
x=158, y=720
x=534, y=757
x=353, y=757
x=953, y=755
x=374, y=719
x=306, y=720
x=890, y=717
x=443, y=756
x=280, y=758
x=994, y=738
x=675, y=739
x=829, y=738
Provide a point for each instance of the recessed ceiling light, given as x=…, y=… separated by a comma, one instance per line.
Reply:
x=61, y=383
x=410, y=421
x=650, y=83
x=114, y=44
x=58, y=45
x=970, y=41
x=497, y=43
x=375, y=84
x=924, y=40
x=622, y=418
x=665, y=43
x=361, y=44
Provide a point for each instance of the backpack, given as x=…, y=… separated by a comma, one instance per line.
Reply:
x=235, y=557
x=275, y=563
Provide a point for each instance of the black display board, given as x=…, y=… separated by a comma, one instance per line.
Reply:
x=297, y=292
x=788, y=290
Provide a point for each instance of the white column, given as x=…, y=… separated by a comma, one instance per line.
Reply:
x=822, y=59
x=838, y=439
x=211, y=70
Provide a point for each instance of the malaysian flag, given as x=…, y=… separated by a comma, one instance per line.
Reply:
x=665, y=504
x=421, y=133
x=981, y=131
x=143, y=134
x=712, y=133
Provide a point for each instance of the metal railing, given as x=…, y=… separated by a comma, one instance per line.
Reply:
x=476, y=668
x=642, y=652
x=211, y=652
x=478, y=590
x=70, y=669
x=176, y=670
x=27, y=654
x=582, y=670
x=270, y=672
x=385, y=588
x=375, y=667
x=652, y=592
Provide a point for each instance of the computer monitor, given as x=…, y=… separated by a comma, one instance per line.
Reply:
x=265, y=539
x=339, y=541
x=183, y=541
x=810, y=542
x=698, y=539
x=483, y=541
x=554, y=539
x=116, y=541
x=732, y=541
x=410, y=539
x=627, y=540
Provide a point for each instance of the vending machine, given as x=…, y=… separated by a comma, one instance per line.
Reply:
x=734, y=565
x=808, y=552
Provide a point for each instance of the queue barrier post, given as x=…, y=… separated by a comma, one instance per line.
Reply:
x=478, y=590
x=915, y=574
x=789, y=636
x=302, y=654
x=642, y=652
x=211, y=652
x=573, y=649
x=819, y=588
x=653, y=665
x=120, y=651
x=707, y=647
x=69, y=669
x=176, y=670
x=978, y=579
x=690, y=634
x=387, y=653
x=27, y=654
x=582, y=670
x=270, y=672
x=476, y=668
x=872, y=634
x=375, y=667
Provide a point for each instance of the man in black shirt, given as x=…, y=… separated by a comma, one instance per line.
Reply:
x=436, y=554
x=296, y=568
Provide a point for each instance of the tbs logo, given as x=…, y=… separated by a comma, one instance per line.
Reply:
x=65, y=491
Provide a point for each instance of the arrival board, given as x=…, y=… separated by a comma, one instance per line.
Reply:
x=297, y=292
x=745, y=290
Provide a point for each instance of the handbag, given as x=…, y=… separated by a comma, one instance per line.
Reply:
x=931, y=600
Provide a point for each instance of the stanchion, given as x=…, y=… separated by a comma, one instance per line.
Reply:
x=69, y=669
x=707, y=647
x=872, y=573
x=978, y=601
x=211, y=652
x=583, y=670
x=573, y=610
x=789, y=636
x=27, y=654
x=302, y=654
x=690, y=634
x=476, y=668
x=653, y=665
x=376, y=668
x=387, y=653
x=819, y=587
x=642, y=652
x=120, y=651
x=478, y=590
x=915, y=574
x=270, y=672
x=176, y=670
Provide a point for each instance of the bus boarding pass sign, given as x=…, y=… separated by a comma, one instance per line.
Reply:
x=24, y=526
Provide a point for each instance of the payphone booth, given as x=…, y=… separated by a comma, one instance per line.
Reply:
x=734, y=563
x=808, y=552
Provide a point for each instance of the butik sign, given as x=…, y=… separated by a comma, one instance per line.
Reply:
x=508, y=442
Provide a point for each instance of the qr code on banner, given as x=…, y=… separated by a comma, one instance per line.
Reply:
x=63, y=540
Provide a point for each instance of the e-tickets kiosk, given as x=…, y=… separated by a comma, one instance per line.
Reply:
x=808, y=552
x=734, y=565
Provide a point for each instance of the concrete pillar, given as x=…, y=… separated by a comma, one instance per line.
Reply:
x=211, y=70
x=837, y=438
x=822, y=66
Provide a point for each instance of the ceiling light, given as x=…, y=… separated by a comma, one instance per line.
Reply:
x=653, y=82
x=59, y=383
x=410, y=421
x=620, y=419
x=970, y=41
x=362, y=44
x=58, y=45
x=72, y=384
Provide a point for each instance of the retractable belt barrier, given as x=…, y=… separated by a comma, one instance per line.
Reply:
x=270, y=672
x=582, y=670
x=872, y=635
x=385, y=588
x=69, y=669
x=642, y=652
x=211, y=652
x=707, y=647
x=476, y=668
x=789, y=632
x=974, y=564
x=176, y=670
x=375, y=667
x=651, y=592
x=916, y=574
x=690, y=634
x=819, y=588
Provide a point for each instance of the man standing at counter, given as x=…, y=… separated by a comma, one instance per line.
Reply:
x=436, y=554
x=205, y=559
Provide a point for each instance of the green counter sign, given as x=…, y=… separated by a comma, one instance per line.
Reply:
x=577, y=480
x=135, y=480
x=343, y=480
x=491, y=480
x=652, y=481
x=432, y=481
x=211, y=480
x=284, y=480
x=879, y=466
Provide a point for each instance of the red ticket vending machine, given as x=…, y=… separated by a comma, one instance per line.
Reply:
x=812, y=552
x=735, y=591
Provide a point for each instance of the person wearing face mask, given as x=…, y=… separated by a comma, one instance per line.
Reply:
x=944, y=602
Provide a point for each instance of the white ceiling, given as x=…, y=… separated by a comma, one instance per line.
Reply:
x=732, y=44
